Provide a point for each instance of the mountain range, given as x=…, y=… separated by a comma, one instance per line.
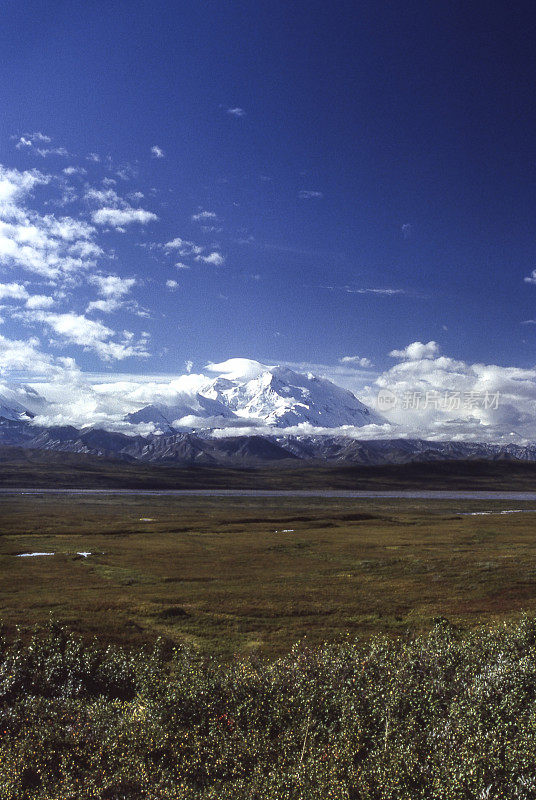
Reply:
x=186, y=427
x=184, y=448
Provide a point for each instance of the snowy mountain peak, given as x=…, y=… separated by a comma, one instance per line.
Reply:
x=246, y=392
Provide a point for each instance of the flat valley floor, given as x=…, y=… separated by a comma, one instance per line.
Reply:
x=245, y=575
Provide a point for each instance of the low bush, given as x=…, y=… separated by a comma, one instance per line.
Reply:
x=445, y=716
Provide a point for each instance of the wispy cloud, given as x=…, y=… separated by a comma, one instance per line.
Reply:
x=30, y=139
x=157, y=152
x=368, y=290
x=37, y=142
x=235, y=111
x=307, y=194
x=70, y=171
x=204, y=216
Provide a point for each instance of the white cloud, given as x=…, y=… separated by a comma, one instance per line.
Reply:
x=157, y=152
x=126, y=172
x=119, y=217
x=310, y=195
x=74, y=171
x=39, y=301
x=52, y=151
x=104, y=306
x=214, y=258
x=416, y=351
x=13, y=291
x=36, y=142
x=112, y=285
x=77, y=401
x=26, y=357
x=17, y=291
x=30, y=139
x=184, y=247
x=204, y=216
x=115, y=211
x=172, y=285
x=356, y=361
x=41, y=243
x=531, y=278
x=236, y=112
x=92, y=335
x=388, y=292
x=113, y=289
x=441, y=398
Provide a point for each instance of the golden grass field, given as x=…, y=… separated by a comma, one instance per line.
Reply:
x=221, y=573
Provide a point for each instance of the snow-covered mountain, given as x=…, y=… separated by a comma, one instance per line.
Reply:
x=198, y=410
x=252, y=393
x=12, y=410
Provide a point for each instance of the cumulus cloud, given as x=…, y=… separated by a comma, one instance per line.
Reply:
x=184, y=247
x=451, y=394
x=113, y=291
x=41, y=243
x=157, y=152
x=13, y=291
x=188, y=249
x=438, y=397
x=171, y=284
x=531, y=278
x=356, y=361
x=214, y=258
x=92, y=335
x=112, y=285
x=104, y=306
x=26, y=357
x=416, y=351
x=236, y=112
x=119, y=217
x=17, y=291
x=40, y=301
x=115, y=211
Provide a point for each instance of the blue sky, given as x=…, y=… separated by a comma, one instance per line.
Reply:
x=348, y=178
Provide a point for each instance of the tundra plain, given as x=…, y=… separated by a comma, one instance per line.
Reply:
x=248, y=575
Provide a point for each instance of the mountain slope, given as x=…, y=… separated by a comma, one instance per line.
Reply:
x=251, y=393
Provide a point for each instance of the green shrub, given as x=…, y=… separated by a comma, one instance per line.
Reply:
x=445, y=716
